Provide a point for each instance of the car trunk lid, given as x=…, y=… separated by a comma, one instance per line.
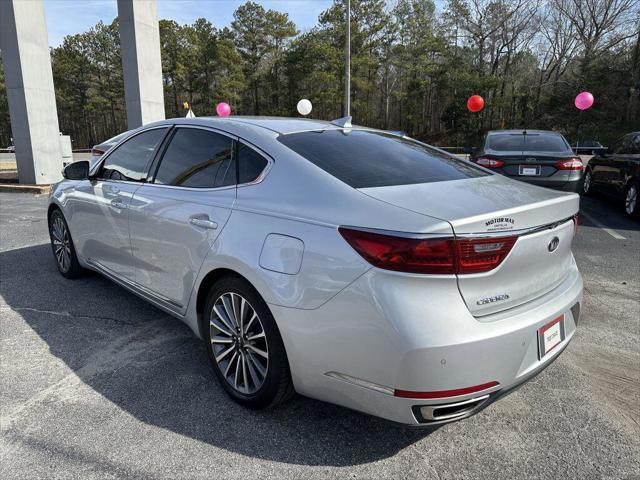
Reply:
x=497, y=206
x=520, y=163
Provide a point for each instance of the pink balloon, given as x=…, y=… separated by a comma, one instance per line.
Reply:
x=583, y=100
x=223, y=109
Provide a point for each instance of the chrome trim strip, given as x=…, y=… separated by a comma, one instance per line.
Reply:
x=505, y=233
x=360, y=383
x=190, y=189
x=145, y=292
x=397, y=233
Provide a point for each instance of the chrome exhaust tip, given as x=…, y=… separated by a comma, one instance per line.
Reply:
x=448, y=412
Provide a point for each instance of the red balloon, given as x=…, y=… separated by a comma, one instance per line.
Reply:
x=475, y=103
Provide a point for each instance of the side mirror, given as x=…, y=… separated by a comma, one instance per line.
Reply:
x=76, y=170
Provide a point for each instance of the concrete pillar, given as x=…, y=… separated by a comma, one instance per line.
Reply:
x=29, y=82
x=140, y=41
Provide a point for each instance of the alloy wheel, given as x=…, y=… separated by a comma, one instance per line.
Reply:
x=631, y=199
x=239, y=343
x=61, y=243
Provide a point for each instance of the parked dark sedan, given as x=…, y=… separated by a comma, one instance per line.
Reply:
x=588, y=147
x=539, y=157
x=616, y=172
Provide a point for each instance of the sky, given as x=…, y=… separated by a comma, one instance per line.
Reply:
x=68, y=17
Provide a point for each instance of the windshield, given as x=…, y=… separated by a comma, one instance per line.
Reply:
x=531, y=142
x=364, y=159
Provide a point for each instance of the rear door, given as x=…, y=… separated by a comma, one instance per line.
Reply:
x=624, y=161
x=606, y=171
x=100, y=222
x=176, y=217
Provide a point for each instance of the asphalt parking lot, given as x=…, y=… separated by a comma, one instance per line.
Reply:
x=95, y=383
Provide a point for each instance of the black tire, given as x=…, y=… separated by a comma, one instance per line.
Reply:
x=632, y=205
x=64, y=252
x=587, y=183
x=276, y=385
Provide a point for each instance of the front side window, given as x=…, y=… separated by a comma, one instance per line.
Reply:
x=364, y=159
x=129, y=160
x=199, y=159
x=251, y=164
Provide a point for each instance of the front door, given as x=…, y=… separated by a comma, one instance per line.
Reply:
x=100, y=220
x=177, y=215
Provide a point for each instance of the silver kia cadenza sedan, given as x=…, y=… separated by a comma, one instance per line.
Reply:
x=344, y=263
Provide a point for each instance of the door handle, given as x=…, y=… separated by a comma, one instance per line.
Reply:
x=203, y=222
x=118, y=204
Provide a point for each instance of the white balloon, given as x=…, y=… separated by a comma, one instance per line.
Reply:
x=304, y=107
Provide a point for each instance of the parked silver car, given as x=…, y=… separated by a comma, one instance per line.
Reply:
x=347, y=264
x=99, y=149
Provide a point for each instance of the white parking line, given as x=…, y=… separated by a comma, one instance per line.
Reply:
x=611, y=232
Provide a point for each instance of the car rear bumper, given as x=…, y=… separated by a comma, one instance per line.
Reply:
x=388, y=332
x=567, y=181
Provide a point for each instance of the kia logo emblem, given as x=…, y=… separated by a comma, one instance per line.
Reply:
x=553, y=244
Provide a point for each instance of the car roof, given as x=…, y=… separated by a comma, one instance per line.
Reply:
x=278, y=125
x=522, y=130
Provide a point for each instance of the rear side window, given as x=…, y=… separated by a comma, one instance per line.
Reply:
x=630, y=144
x=251, y=164
x=635, y=144
x=532, y=142
x=365, y=159
x=129, y=160
x=199, y=159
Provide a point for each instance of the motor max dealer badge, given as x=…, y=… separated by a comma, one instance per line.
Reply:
x=500, y=223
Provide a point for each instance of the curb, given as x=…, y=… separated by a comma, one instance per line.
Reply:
x=18, y=188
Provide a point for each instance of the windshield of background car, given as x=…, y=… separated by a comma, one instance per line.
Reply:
x=363, y=159
x=531, y=142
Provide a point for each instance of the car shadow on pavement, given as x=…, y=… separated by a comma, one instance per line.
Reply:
x=151, y=366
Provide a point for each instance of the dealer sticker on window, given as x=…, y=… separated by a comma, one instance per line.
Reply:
x=550, y=336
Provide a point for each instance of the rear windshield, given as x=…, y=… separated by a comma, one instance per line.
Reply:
x=589, y=143
x=531, y=142
x=364, y=159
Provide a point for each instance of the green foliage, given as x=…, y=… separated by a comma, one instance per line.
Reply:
x=412, y=65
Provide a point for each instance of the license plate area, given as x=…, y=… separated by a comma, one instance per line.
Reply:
x=529, y=170
x=550, y=336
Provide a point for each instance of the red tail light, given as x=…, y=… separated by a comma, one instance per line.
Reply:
x=95, y=151
x=429, y=255
x=570, y=164
x=489, y=162
x=402, y=254
x=482, y=254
